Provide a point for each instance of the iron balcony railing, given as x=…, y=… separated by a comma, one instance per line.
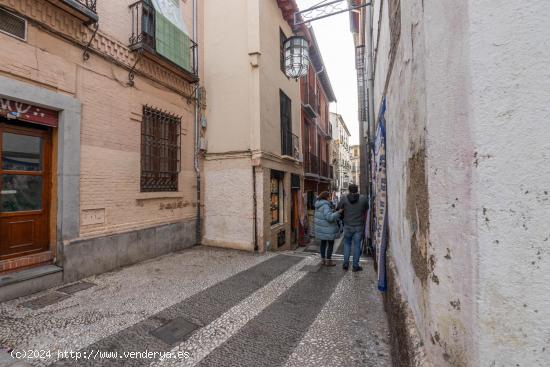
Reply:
x=90, y=4
x=144, y=38
x=311, y=163
x=310, y=99
x=84, y=9
x=325, y=169
x=290, y=145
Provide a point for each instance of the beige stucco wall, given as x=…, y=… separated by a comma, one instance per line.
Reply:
x=272, y=79
x=111, y=112
x=243, y=79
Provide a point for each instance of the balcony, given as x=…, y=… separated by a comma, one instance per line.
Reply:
x=82, y=9
x=310, y=99
x=325, y=169
x=311, y=164
x=161, y=41
x=290, y=145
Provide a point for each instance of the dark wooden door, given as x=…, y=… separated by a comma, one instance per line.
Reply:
x=25, y=190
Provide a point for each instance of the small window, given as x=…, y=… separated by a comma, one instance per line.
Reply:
x=277, y=197
x=160, y=151
x=13, y=25
x=282, y=39
x=286, y=124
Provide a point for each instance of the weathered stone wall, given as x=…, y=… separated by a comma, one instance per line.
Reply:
x=229, y=210
x=467, y=96
x=427, y=180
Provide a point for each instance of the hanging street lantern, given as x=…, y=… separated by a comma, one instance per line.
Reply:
x=296, y=57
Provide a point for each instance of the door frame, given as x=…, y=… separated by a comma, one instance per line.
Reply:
x=16, y=127
x=66, y=152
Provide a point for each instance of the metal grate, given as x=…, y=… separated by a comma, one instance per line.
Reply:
x=160, y=150
x=13, y=25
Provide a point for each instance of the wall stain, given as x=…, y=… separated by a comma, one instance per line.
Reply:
x=418, y=215
x=456, y=304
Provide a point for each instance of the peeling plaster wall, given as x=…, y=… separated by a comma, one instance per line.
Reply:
x=510, y=53
x=467, y=151
x=229, y=211
x=428, y=145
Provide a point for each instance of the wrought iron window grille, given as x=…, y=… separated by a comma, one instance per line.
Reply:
x=160, y=150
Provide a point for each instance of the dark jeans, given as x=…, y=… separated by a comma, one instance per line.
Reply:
x=327, y=249
x=353, y=235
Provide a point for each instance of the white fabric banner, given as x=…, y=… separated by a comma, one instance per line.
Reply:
x=170, y=9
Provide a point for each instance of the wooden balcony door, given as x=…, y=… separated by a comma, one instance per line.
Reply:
x=25, y=176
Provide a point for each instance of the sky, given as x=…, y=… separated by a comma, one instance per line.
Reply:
x=336, y=43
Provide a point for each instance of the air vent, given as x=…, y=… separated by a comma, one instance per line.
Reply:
x=13, y=25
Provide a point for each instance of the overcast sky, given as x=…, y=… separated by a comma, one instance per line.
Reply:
x=336, y=43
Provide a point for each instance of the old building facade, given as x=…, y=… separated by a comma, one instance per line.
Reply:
x=355, y=163
x=342, y=172
x=97, y=116
x=317, y=94
x=253, y=162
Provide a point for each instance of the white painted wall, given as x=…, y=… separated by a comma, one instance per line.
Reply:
x=468, y=177
x=510, y=57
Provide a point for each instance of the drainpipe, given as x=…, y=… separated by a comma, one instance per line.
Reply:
x=196, y=159
x=255, y=213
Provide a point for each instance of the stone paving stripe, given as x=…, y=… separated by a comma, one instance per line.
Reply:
x=174, y=331
x=45, y=300
x=77, y=287
x=204, y=341
x=201, y=309
x=270, y=338
x=311, y=268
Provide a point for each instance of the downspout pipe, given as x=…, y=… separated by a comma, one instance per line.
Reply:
x=196, y=159
x=255, y=208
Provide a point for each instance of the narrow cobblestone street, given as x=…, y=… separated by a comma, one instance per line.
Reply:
x=222, y=307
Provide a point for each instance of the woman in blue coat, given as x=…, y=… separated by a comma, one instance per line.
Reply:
x=326, y=226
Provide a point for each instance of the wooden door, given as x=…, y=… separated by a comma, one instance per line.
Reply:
x=25, y=190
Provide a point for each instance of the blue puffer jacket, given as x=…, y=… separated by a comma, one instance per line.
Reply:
x=326, y=225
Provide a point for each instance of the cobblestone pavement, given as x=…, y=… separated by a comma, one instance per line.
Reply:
x=204, y=307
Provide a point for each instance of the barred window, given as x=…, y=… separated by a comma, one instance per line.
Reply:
x=160, y=150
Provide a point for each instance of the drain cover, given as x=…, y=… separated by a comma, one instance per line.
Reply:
x=46, y=300
x=77, y=287
x=174, y=331
x=311, y=268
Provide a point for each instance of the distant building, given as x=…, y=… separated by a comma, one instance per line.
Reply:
x=342, y=166
x=355, y=161
x=317, y=94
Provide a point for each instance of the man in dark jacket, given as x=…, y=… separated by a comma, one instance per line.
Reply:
x=355, y=206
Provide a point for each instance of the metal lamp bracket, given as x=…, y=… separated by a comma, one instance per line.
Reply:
x=86, y=54
x=325, y=9
x=132, y=73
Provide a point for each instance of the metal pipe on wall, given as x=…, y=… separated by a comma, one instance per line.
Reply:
x=196, y=159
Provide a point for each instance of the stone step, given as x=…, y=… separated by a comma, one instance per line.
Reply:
x=28, y=281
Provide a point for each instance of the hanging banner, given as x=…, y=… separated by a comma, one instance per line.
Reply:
x=380, y=199
x=172, y=40
x=26, y=112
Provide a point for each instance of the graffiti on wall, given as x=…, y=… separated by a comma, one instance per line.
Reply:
x=380, y=201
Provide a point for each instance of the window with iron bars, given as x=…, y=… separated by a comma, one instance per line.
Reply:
x=160, y=150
